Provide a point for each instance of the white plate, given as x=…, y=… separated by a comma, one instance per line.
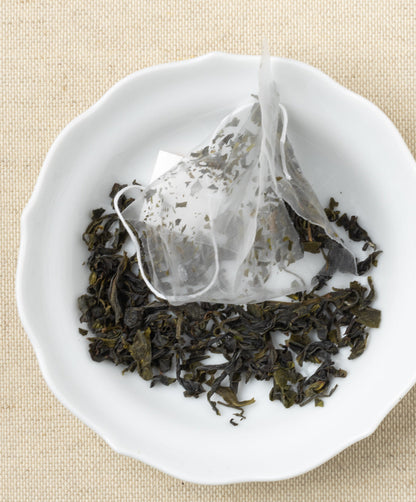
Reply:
x=347, y=148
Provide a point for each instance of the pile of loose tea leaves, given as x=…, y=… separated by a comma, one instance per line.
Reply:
x=267, y=341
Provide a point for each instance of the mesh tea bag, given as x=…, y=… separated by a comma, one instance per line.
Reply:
x=216, y=228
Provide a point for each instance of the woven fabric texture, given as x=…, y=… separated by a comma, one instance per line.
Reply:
x=57, y=58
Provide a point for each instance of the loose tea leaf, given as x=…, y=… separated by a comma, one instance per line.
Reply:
x=267, y=341
x=141, y=351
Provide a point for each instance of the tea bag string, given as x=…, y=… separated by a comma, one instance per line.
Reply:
x=148, y=283
x=283, y=142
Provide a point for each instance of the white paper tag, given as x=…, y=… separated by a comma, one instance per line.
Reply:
x=164, y=162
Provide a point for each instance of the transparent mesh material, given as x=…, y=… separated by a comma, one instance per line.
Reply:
x=215, y=227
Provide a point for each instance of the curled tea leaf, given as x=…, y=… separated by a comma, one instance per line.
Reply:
x=141, y=351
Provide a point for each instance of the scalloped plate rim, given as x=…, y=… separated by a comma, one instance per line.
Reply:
x=30, y=209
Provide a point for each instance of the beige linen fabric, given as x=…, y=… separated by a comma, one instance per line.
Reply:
x=57, y=59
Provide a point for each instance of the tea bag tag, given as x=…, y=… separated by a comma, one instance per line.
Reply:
x=164, y=162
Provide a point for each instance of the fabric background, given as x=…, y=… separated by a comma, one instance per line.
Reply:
x=57, y=59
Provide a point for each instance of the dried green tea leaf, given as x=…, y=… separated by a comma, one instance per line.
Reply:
x=141, y=351
x=231, y=399
x=368, y=316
